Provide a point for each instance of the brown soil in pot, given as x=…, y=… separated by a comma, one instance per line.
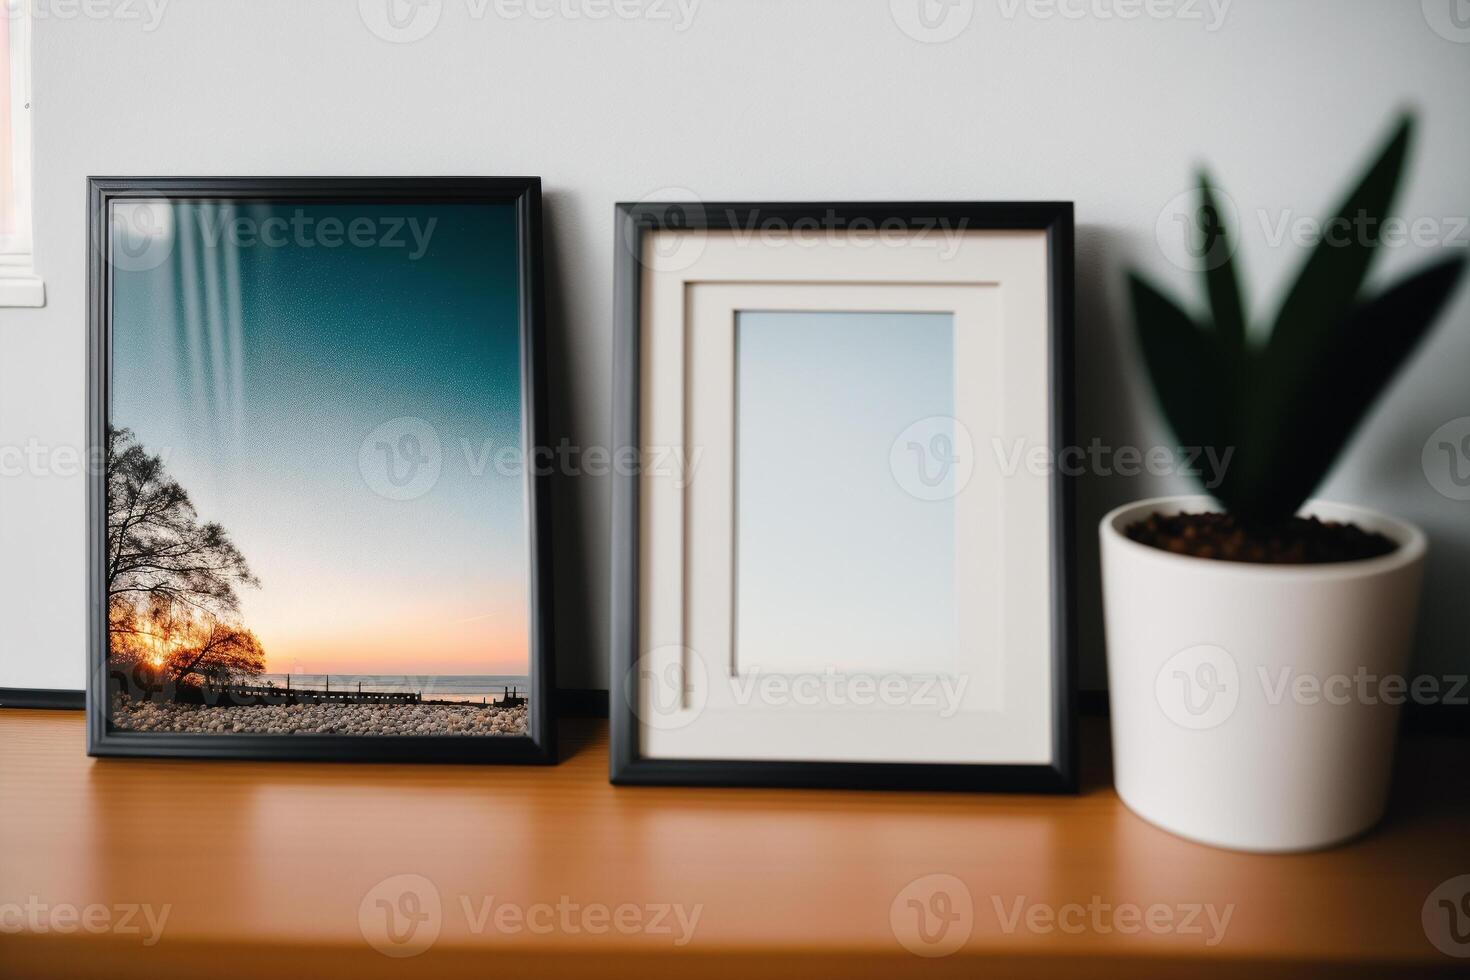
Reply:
x=1297, y=541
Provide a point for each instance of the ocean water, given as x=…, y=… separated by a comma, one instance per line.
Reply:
x=434, y=687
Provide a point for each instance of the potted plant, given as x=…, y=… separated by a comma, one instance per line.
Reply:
x=1258, y=641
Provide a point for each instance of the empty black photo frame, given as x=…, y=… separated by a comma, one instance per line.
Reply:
x=634, y=224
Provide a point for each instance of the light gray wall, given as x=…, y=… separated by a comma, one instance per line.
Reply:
x=756, y=100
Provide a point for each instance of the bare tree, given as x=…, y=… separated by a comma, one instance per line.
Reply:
x=171, y=579
x=156, y=545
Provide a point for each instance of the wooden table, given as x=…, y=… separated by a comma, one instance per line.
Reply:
x=291, y=870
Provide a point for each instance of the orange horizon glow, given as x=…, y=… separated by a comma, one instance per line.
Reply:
x=409, y=638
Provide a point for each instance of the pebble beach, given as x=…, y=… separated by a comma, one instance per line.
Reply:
x=319, y=719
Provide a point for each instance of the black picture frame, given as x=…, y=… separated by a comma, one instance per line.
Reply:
x=539, y=745
x=627, y=766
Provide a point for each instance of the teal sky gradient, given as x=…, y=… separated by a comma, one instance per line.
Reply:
x=258, y=372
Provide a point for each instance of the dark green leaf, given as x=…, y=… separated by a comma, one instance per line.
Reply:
x=1185, y=365
x=1325, y=292
x=1226, y=306
x=1368, y=349
x=1328, y=285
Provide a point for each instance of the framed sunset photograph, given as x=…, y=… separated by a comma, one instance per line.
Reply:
x=316, y=530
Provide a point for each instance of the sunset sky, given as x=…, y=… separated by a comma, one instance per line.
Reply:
x=259, y=371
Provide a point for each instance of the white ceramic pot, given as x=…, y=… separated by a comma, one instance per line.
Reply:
x=1255, y=706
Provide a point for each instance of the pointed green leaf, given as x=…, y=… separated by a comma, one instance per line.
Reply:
x=1369, y=349
x=1185, y=365
x=1328, y=285
x=1325, y=292
x=1223, y=287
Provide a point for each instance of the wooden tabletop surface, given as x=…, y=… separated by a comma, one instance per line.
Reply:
x=169, y=868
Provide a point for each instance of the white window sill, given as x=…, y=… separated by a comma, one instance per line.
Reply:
x=21, y=287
